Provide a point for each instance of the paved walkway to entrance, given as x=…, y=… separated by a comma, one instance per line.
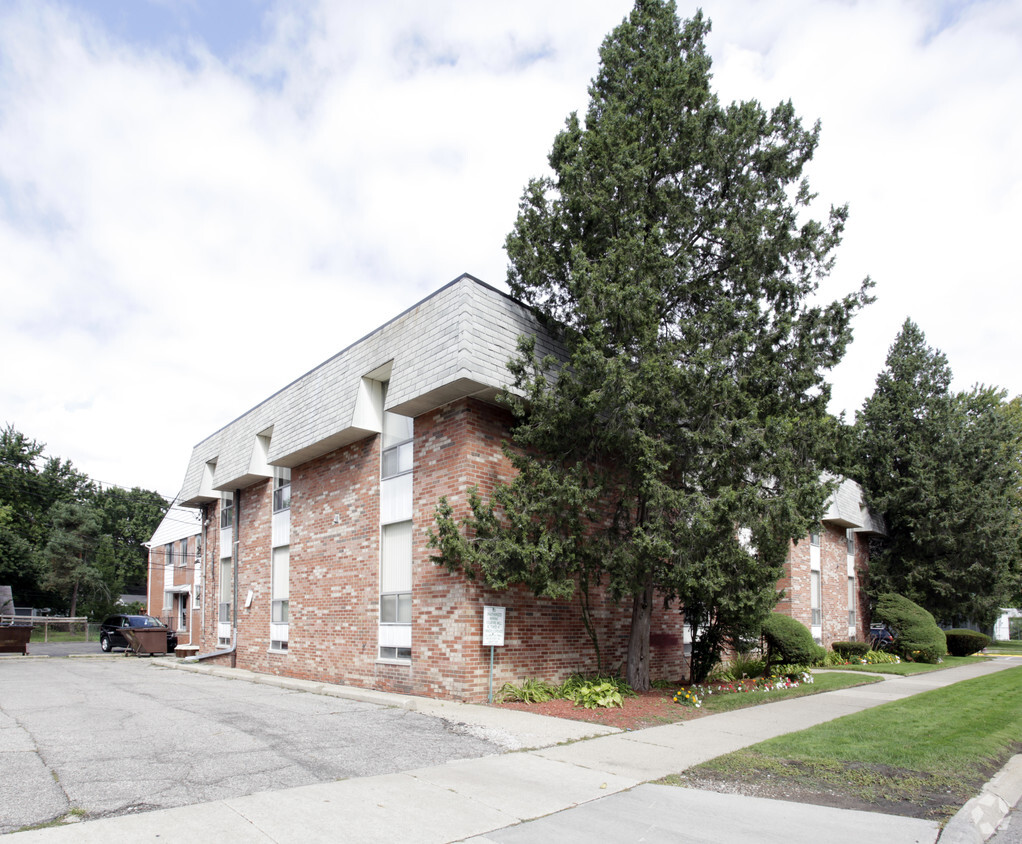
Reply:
x=585, y=788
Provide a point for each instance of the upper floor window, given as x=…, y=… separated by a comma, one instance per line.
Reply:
x=814, y=539
x=850, y=541
x=226, y=509
x=281, y=488
x=398, y=432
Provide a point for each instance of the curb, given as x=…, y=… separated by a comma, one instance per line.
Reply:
x=978, y=819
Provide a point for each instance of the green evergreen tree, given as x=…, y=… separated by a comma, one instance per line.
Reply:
x=678, y=449
x=129, y=518
x=70, y=554
x=943, y=470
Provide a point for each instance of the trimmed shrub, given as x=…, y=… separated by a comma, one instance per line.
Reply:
x=917, y=636
x=850, y=650
x=789, y=641
x=965, y=642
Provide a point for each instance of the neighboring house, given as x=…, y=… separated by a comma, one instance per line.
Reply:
x=175, y=573
x=1008, y=622
x=825, y=573
x=315, y=506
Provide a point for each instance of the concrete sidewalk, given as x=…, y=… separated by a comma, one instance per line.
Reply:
x=576, y=790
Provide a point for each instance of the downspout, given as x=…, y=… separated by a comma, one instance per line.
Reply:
x=232, y=650
x=235, y=547
x=203, y=524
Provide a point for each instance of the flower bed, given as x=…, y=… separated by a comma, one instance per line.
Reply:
x=694, y=695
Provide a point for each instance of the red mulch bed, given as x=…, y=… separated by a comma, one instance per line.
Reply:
x=647, y=709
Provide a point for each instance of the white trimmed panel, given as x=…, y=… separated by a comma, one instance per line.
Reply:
x=395, y=635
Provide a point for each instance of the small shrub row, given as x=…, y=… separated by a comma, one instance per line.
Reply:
x=965, y=642
x=589, y=692
x=867, y=658
x=851, y=650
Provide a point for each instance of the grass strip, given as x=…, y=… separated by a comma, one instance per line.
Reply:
x=1012, y=647
x=923, y=756
x=905, y=669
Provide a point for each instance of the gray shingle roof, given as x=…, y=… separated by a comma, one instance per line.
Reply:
x=847, y=507
x=454, y=343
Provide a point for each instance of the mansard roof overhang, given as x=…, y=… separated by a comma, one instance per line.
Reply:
x=454, y=344
x=847, y=508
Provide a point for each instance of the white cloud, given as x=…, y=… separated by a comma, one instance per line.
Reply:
x=185, y=233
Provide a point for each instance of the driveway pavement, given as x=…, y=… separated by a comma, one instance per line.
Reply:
x=117, y=735
x=562, y=789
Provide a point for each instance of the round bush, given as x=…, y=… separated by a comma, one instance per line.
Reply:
x=789, y=640
x=850, y=650
x=965, y=642
x=917, y=636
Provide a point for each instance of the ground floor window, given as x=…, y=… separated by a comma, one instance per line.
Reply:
x=280, y=594
x=396, y=591
x=816, y=598
x=851, y=602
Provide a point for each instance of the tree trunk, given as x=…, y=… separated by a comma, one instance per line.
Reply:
x=638, y=639
x=74, y=599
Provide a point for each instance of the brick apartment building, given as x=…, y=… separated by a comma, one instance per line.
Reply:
x=826, y=572
x=175, y=567
x=314, y=509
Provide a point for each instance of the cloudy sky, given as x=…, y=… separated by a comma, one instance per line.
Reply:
x=201, y=201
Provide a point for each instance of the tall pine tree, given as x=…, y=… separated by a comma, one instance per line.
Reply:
x=943, y=470
x=677, y=450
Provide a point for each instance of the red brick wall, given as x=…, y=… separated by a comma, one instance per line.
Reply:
x=334, y=578
x=183, y=575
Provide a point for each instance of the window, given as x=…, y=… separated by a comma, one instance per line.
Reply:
x=168, y=554
x=396, y=574
x=816, y=598
x=281, y=488
x=279, y=586
x=396, y=463
x=182, y=554
x=226, y=510
x=851, y=602
x=226, y=591
x=814, y=539
x=850, y=542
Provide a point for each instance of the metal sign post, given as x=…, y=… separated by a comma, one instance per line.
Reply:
x=493, y=634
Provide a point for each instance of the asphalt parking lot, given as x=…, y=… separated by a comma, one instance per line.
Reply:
x=113, y=735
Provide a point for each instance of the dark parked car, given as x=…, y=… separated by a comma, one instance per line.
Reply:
x=110, y=635
x=881, y=637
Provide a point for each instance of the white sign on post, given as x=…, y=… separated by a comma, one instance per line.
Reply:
x=493, y=626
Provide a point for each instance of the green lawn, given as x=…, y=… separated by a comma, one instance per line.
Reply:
x=821, y=683
x=934, y=749
x=905, y=668
x=58, y=636
x=1012, y=647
